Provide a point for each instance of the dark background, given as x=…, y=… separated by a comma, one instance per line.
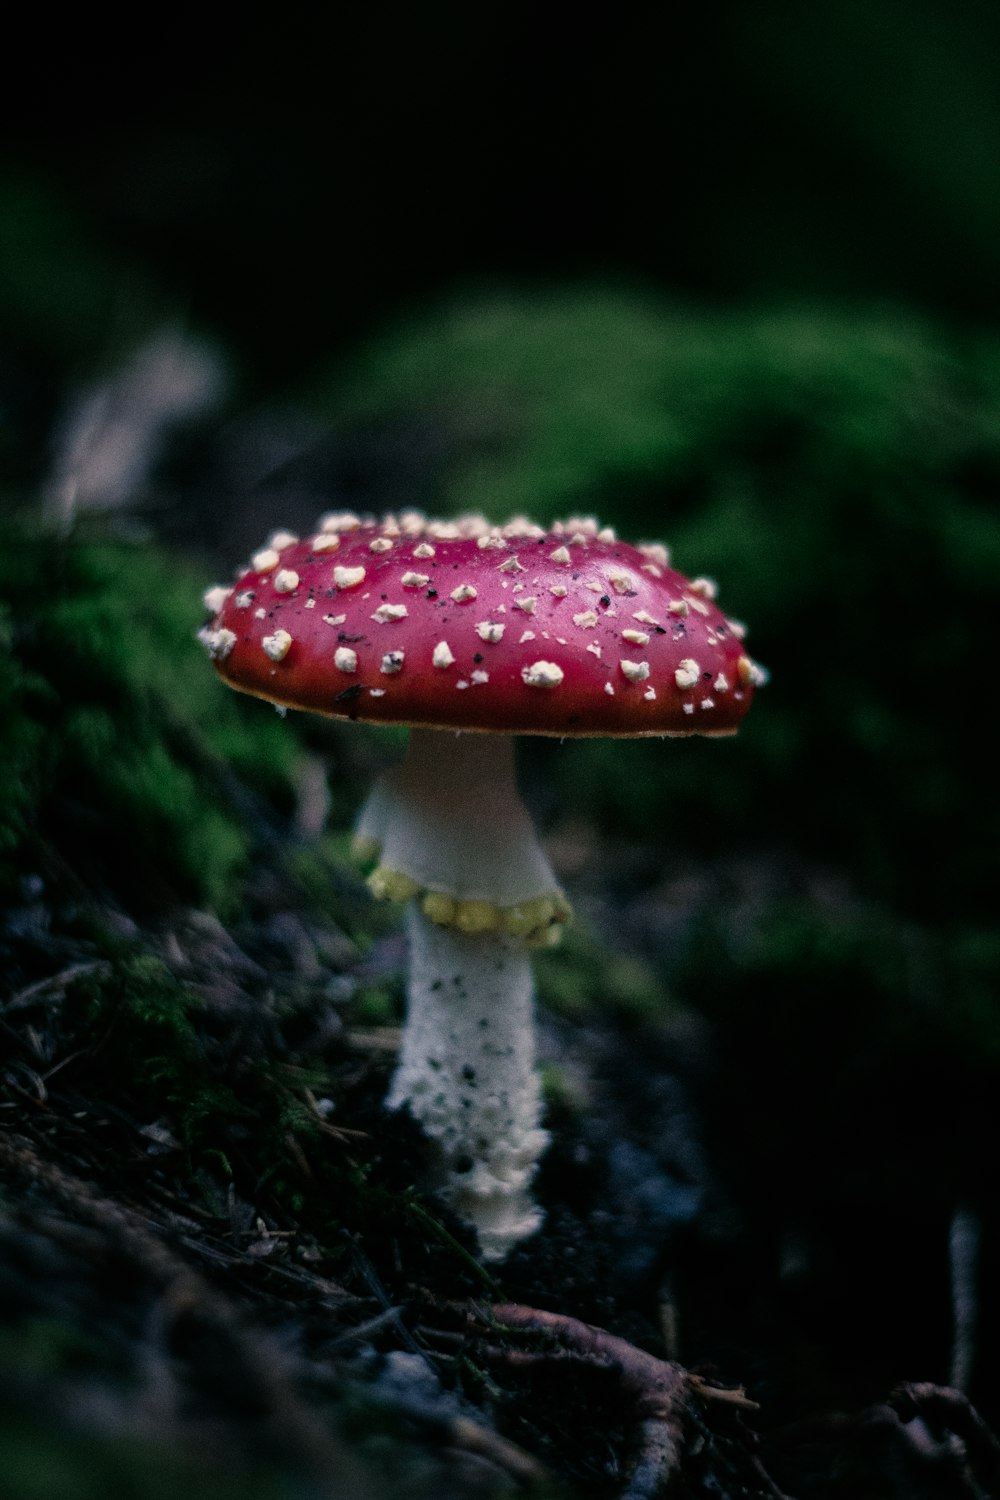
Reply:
x=289, y=178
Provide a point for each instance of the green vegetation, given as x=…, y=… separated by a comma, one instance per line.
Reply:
x=579, y=977
x=115, y=739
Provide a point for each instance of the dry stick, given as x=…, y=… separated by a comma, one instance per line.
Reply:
x=656, y=1389
x=51, y=989
x=368, y=1272
x=185, y=1291
x=473, y=1437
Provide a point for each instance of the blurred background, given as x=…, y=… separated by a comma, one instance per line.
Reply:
x=287, y=185
x=726, y=275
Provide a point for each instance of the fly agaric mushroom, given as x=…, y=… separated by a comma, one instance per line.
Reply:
x=469, y=634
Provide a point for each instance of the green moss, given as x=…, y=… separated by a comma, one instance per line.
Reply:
x=378, y=1005
x=816, y=988
x=148, y=1022
x=580, y=977
x=114, y=729
x=331, y=883
x=560, y=1090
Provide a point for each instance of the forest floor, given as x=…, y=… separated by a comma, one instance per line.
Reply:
x=216, y=1268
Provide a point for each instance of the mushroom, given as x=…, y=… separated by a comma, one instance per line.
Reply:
x=470, y=634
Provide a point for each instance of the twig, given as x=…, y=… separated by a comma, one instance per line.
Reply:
x=387, y=1039
x=369, y=1274
x=363, y=1331
x=473, y=1437
x=53, y=988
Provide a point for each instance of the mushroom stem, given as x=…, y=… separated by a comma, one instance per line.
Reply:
x=467, y=1073
x=456, y=842
x=450, y=821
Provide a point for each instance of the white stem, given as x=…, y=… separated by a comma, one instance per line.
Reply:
x=467, y=1073
x=451, y=818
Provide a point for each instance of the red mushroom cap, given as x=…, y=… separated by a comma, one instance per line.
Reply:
x=460, y=625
